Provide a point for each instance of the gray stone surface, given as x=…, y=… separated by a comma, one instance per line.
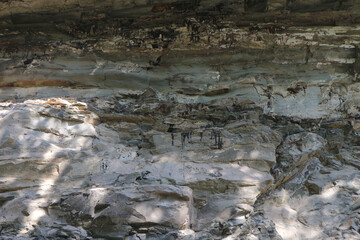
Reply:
x=187, y=120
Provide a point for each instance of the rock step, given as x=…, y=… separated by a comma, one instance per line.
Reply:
x=248, y=152
x=123, y=207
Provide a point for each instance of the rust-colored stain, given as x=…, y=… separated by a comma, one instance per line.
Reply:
x=9, y=46
x=54, y=101
x=217, y=92
x=126, y=118
x=161, y=8
x=58, y=101
x=38, y=83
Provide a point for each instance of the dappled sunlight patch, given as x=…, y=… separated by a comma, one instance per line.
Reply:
x=297, y=231
x=168, y=157
x=7, y=180
x=150, y=212
x=46, y=186
x=73, y=103
x=282, y=197
x=41, y=148
x=32, y=214
x=51, y=154
x=310, y=216
x=254, y=154
x=329, y=193
x=287, y=221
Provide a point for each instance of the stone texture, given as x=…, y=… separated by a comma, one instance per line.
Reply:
x=179, y=119
x=114, y=184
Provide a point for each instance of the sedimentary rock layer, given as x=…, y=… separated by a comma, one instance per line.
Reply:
x=179, y=119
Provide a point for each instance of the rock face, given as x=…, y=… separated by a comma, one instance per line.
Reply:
x=116, y=174
x=179, y=119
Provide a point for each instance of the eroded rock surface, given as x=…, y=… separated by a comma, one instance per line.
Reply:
x=179, y=119
x=151, y=173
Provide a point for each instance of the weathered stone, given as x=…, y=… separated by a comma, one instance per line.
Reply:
x=135, y=206
x=179, y=119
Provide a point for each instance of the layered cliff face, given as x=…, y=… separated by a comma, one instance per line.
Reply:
x=179, y=119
